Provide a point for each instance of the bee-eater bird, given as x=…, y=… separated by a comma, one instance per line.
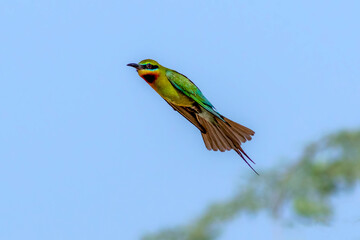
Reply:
x=218, y=132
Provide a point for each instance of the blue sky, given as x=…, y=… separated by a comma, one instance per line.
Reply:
x=90, y=151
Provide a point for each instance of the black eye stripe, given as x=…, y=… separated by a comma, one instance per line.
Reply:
x=149, y=66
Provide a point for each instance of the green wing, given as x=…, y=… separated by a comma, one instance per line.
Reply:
x=186, y=86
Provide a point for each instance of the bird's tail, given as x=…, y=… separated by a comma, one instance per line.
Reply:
x=226, y=135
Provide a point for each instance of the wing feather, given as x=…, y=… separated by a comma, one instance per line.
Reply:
x=186, y=86
x=189, y=114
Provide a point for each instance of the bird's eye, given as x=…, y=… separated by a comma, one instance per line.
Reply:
x=148, y=66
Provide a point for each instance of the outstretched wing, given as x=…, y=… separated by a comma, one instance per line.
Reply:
x=186, y=86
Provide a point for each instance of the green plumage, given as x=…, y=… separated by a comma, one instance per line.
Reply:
x=218, y=132
x=186, y=86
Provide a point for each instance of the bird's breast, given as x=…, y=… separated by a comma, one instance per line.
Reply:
x=166, y=90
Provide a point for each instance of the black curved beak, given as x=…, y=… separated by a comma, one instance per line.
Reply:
x=134, y=65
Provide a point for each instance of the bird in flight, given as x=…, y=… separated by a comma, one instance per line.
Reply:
x=218, y=132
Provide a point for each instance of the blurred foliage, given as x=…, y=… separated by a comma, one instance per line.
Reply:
x=301, y=191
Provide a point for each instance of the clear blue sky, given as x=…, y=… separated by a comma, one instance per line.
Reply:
x=90, y=151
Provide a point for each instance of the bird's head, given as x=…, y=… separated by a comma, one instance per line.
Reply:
x=148, y=69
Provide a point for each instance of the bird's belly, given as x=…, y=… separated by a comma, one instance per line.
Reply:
x=179, y=100
x=171, y=94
